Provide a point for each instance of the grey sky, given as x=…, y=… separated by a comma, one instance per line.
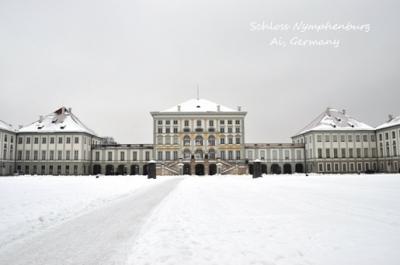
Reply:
x=115, y=61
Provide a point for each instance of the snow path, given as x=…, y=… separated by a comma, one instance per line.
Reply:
x=103, y=236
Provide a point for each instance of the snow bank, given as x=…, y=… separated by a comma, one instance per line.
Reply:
x=348, y=219
x=29, y=204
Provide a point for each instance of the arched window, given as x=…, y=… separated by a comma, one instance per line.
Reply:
x=186, y=140
x=211, y=154
x=199, y=140
x=186, y=154
x=211, y=140
x=199, y=154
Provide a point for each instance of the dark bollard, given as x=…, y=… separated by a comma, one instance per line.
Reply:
x=256, y=169
x=151, y=169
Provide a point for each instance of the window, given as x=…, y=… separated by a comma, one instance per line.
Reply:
x=68, y=155
x=167, y=122
x=366, y=152
x=35, y=155
x=186, y=123
x=380, y=137
x=386, y=136
x=186, y=140
x=350, y=138
x=27, y=155
x=229, y=122
x=159, y=155
x=122, y=156
x=52, y=140
x=237, y=140
x=60, y=140
x=198, y=123
x=222, y=154
x=237, y=129
x=59, y=155
x=222, y=130
x=229, y=129
x=342, y=138
x=373, y=138
x=319, y=138
x=160, y=130
x=76, y=140
x=327, y=138
x=222, y=140
x=97, y=156
x=44, y=140
x=211, y=123
x=334, y=138
x=286, y=154
x=222, y=122
x=19, y=140
x=147, y=155
x=335, y=152
x=19, y=156
x=51, y=155
x=43, y=155
x=319, y=153
x=358, y=150
x=365, y=138
x=167, y=155
x=211, y=140
x=358, y=138
x=109, y=156
x=168, y=130
x=328, y=153
x=237, y=122
x=28, y=140
x=134, y=156
x=230, y=155
x=68, y=140
x=230, y=140
x=159, y=139
x=176, y=139
x=351, y=152
x=175, y=155
x=175, y=122
x=237, y=155
x=168, y=140
x=175, y=130
x=36, y=140
x=159, y=122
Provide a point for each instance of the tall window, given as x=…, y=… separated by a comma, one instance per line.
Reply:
x=186, y=140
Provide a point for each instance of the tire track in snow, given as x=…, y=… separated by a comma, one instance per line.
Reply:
x=103, y=236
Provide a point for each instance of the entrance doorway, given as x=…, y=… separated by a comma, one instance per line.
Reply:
x=199, y=168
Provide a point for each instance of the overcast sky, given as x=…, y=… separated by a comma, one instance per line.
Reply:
x=115, y=61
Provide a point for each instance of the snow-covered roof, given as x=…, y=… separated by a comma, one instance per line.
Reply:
x=199, y=105
x=333, y=119
x=391, y=122
x=5, y=126
x=61, y=120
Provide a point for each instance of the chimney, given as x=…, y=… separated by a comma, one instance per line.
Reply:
x=218, y=107
x=70, y=110
x=179, y=107
x=390, y=117
x=344, y=112
x=239, y=108
x=40, y=118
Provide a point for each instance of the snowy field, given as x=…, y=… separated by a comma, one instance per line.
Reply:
x=29, y=204
x=350, y=219
x=320, y=219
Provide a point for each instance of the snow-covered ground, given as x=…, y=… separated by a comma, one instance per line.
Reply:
x=348, y=219
x=320, y=219
x=29, y=204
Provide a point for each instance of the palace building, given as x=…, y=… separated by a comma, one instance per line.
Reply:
x=199, y=137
